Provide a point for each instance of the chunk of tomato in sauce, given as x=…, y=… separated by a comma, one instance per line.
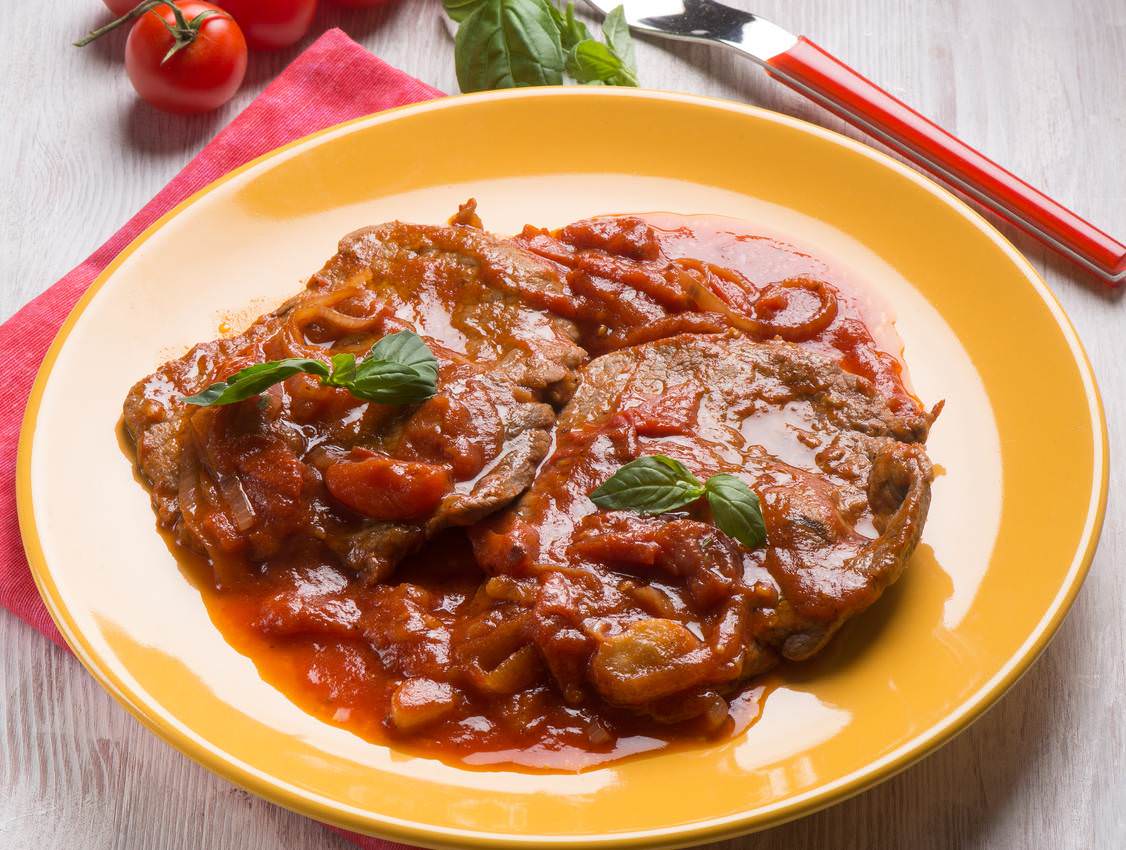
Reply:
x=624, y=235
x=462, y=433
x=381, y=487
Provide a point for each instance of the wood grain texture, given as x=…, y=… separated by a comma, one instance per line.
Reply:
x=1040, y=85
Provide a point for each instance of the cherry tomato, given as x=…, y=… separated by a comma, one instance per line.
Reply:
x=120, y=7
x=199, y=77
x=272, y=24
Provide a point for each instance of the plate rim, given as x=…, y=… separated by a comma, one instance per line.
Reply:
x=310, y=804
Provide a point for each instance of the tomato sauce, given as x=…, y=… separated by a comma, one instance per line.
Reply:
x=434, y=657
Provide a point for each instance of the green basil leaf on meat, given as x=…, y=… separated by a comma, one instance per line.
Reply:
x=651, y=485
x=390, y=383
x=736, y=510
x=399, y=369
x=408, y=349
x=659, y=484
x=255, y=379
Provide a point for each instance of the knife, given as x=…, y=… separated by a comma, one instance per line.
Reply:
x=814, y=72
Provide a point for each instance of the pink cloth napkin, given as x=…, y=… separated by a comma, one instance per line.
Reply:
x=333, y=81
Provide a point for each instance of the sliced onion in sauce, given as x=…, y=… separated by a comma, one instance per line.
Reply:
x=808, y=327
x=703, y=298
x=196, y=462
x=236, y=502
x=333, y=320
x=189, y=477
x=322, y=311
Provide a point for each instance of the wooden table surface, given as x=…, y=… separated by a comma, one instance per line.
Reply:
x=1039, y=85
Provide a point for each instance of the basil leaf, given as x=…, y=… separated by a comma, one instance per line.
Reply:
x=650, y=485
x=459, y=10
x=736, y=510
x=658, y=484
x=593, y=62
x=399, y=369
x=254, y=379
x=616, y=31
x=343, y=369
x=571, y=30
x=407, y=349
x=509, y=43
x=391, y=383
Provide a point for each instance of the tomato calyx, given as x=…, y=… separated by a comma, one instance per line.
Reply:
x=182, y=30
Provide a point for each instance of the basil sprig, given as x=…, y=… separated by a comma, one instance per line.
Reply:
x=511, y=43
x=659, y=484
x=399, y=369
x=610, y=64
x=571, y=29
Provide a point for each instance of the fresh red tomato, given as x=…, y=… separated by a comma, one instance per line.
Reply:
x=272, y=24
x=121, y=7
x=199, y=77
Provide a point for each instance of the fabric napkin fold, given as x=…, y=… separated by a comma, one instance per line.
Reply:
x=332, y=81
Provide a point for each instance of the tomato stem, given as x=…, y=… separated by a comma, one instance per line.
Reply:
x=183, y=31
x=133, y=13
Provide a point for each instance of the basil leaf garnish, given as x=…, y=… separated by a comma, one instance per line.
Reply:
x=406, y=349
x=343, y=369
x=736, y=509
x=390, y=383
x=253, y=380
x=649, y=485
x=659, y=484
x=399, y=369
x=507, y=44
x=504, y=44
x=593, y=63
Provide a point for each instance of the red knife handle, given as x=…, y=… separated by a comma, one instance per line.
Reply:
x=817, y=74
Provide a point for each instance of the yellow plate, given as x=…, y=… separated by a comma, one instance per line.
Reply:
x=1013, y=528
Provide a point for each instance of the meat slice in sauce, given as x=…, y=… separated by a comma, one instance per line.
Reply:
x=664, y=614
x=305, y=464
x=632, y=279
x=564, y=636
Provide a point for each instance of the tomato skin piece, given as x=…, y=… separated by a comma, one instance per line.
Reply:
x=272, y=24
x=384, y=488
x=199, y=78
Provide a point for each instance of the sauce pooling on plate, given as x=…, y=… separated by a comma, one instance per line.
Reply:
x=435, y=575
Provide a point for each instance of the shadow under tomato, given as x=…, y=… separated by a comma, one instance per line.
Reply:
x=150, y=130
x=358, y=24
